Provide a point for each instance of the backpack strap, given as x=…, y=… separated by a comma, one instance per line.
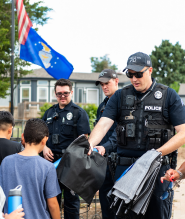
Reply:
x=75, y=119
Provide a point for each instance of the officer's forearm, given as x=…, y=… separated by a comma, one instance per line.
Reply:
x=100, y=131
x=175, y=142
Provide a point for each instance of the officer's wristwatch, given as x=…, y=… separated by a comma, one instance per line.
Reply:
x=181, y=175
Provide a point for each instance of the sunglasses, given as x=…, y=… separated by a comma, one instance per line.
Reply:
x=136, y=74
x=65, y=94
x=171, y=187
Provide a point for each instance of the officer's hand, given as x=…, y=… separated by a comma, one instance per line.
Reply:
x=17, y=214
x=90, y=151
x=48, y=155
x=100, y=149
x=170, y=175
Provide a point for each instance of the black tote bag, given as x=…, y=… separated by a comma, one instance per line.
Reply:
x=82, y=173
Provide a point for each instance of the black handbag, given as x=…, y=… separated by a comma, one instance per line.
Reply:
x=82, y=173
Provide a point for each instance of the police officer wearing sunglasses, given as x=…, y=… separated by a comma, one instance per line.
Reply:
x=147, y=114
x=66, y=121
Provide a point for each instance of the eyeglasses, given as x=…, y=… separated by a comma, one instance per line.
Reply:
x=138, y=74
x=171, y=187
x=65, y=94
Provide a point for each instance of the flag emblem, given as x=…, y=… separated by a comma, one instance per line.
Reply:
x=45, y=55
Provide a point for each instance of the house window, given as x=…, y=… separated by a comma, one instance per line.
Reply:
x=25, y=95
x=92, y=96
x=26, y=82
x=52, y=95
x=52, y=83
x=80, y=95
x=42, y=94
x=42, y=83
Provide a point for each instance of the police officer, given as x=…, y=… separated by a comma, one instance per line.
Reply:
x=66, y=121
x=109, y=83
x=146, y=113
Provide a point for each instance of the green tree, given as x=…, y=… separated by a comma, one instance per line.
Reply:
x=99, y=64
x=38, y=15
x=168, y=62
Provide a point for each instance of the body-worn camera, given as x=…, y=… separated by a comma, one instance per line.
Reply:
x=130, y=130
x=55, y=139
x=130, y=99
x=55, y=115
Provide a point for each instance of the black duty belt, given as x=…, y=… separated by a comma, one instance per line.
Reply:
x=59, y=153
x=127, y=161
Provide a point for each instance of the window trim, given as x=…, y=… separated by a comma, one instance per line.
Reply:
x=87, y=89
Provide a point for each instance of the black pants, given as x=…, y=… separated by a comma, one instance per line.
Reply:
x=157, y=209
x=107, y=213
x=71, y=201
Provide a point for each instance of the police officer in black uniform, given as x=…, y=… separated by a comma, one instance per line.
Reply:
x=66, y=121
x=146, y=113
x=109, y=83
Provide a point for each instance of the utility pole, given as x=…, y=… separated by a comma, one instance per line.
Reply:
x=12, y=57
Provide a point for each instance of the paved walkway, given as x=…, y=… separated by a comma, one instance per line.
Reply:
x=179, y=197
x=179, y=202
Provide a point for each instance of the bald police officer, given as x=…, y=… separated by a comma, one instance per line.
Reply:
x=108, y=80
x=66, y=121
x=146, y=113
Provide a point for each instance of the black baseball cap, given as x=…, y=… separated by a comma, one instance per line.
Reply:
x=138, y=61
x=106, y=75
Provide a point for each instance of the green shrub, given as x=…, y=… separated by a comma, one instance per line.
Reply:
x=43, y=109
x=91, y=110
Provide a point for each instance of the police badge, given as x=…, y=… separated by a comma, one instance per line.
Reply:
x=69, y=116
x=158, y=95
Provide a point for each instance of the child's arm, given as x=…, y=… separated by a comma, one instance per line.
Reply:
x=17, y=214
x=53, y=208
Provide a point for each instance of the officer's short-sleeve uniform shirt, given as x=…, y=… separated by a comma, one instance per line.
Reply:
x=64, y=125
x=109, y=140
x=174, y=111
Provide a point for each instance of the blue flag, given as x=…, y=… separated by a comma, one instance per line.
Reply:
x=37, y=51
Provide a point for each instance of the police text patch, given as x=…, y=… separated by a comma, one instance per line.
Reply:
x=153, y=108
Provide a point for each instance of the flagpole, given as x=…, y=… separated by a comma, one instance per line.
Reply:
x=12, y=56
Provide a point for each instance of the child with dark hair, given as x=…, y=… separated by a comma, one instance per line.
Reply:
x=7, y=147
x=34, y=173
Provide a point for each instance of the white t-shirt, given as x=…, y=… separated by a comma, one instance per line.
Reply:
x=2, y=201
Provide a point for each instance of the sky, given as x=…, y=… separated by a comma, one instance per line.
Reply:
x=80, y=29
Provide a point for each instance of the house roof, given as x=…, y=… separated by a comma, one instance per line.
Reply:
x=41, y=73
x=182, y=89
